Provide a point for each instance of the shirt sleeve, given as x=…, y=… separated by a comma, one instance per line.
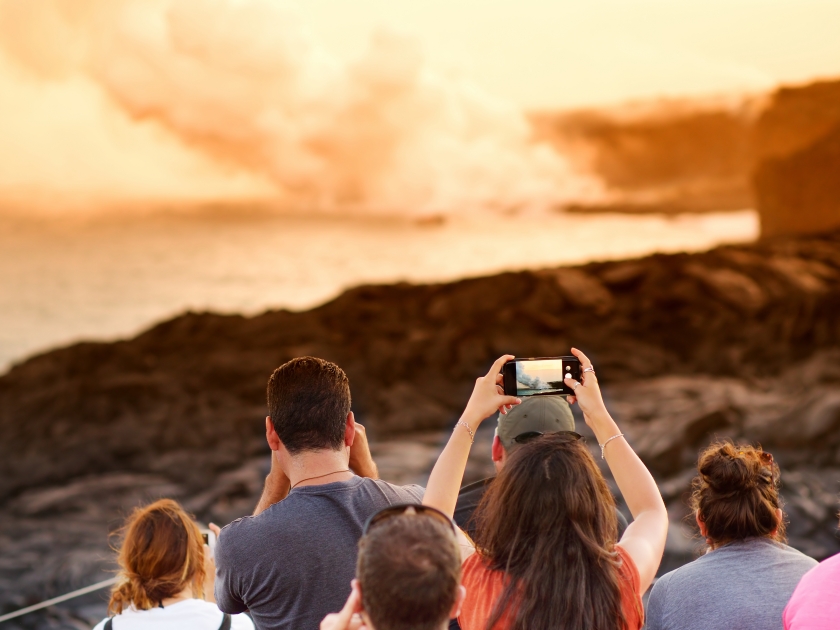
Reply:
x=415, y=492
x=786, y=614
x=226, y=589
x=653, y=614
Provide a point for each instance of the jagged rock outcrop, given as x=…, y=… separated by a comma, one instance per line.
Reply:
x=741, y=341
x=800, y=193
x=188, y=394
x=796, y=143
x=773, y=152
x=794, y=118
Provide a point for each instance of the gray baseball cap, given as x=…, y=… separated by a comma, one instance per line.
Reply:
x=543, y=414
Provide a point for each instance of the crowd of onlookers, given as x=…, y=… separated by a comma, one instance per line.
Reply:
x=539, y=546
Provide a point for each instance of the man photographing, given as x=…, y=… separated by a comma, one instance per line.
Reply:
x=291, y=563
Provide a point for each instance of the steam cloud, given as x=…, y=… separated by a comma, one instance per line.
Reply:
x=245, y=82
x=532, y=382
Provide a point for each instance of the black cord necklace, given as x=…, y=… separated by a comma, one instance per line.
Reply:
x=335, y=472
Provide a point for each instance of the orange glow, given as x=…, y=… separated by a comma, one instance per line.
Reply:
x=328, y=105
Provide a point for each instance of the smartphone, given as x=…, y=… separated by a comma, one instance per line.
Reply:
x=209, y=539
x=542, y=376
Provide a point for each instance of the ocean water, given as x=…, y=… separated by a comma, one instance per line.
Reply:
x=103, y=277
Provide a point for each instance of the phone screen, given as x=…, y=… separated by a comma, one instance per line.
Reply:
x=209, y=539
x=543, y=376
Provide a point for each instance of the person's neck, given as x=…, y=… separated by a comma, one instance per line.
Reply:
x=368, y=624
x=315, y=468
x=187, y=593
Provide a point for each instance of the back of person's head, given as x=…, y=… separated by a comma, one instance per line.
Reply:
x=162, y=553
x=736, y=494
x=308, y=402
x=409, y=571
x=534, y=415
x=549, y=521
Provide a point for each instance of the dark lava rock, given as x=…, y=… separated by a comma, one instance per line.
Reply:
x=740, y=342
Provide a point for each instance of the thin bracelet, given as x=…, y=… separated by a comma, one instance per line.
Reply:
x=607, y=442
x=467, y=427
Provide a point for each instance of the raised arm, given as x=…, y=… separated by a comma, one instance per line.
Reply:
x=487, y=397
x=361, y=460
x=644, y=538
x=276, y=486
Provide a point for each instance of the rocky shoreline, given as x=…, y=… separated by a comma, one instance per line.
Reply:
x=740, y=341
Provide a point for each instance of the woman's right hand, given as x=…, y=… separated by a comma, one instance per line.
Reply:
x=488, y=395
x=448, y=472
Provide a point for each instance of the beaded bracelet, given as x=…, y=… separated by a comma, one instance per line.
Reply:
x=607, y=442
x=467, y=427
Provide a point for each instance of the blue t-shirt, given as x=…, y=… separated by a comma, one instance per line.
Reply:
x=744, y=585
x=292, y=564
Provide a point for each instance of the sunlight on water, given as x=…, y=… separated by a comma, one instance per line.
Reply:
x=101, y=278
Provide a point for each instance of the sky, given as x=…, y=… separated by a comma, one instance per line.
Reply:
x=89, y=109
x=544, y=54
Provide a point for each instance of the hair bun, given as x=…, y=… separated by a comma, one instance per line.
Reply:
x=736, y=494
x=728, y=472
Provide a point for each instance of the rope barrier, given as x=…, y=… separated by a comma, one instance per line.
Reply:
x=60, y=598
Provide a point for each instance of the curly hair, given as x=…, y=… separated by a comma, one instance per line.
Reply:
x=162, y=553
x=736, y=493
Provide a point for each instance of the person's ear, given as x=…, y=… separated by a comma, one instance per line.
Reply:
x=350, y=429
x=367, y=625
x=779, y=516
x=271, y=435
x=459, y=600
x=701, y=524
x=355, y=586
x=497, y=451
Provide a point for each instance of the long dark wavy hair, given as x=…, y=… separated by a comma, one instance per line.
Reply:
x=549, y=522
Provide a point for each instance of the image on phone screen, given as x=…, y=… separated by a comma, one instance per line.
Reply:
x=539, y=377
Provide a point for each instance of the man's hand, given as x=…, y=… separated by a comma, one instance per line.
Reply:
x=361, y=461
x=276, y=488
x=210, y=568
x=488, y=395
x=348, y=618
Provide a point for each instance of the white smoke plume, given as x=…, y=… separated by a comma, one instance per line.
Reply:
x=245, y=82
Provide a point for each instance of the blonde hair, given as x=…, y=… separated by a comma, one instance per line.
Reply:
x=162, y=553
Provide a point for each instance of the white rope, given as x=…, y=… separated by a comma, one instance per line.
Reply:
x=60, y=598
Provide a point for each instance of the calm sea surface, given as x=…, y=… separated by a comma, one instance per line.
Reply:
x=106, y=277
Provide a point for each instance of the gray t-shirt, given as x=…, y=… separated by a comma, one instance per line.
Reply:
x=292, y=564
x=743, y=585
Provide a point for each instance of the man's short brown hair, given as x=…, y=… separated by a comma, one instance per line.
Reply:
x=409, y=569
x=308, y=402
